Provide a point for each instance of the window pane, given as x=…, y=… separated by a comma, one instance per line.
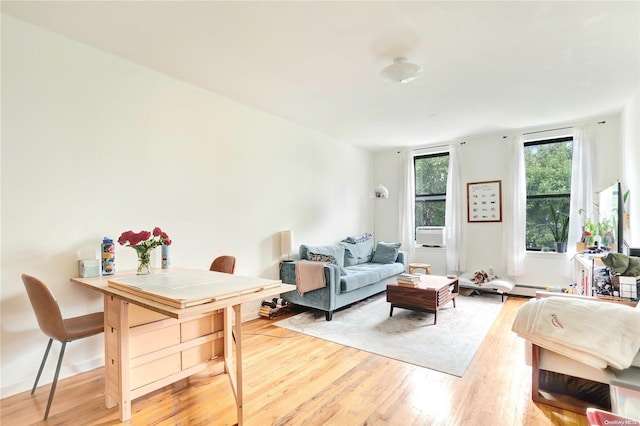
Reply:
x=548, y=175
x=539, y=234
x=430, y=213
x=548, y=168
x=431, y=174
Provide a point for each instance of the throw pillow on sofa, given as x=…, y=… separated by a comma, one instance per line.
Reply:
x=336, y=250
x=385, y=252
x=356, y=253
x=360, y=238
x=316, y=257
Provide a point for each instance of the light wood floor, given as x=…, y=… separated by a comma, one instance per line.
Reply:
x=293, y=379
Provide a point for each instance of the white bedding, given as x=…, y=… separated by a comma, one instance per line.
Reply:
x=595, y=333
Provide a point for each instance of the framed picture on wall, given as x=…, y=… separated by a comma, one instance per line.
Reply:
x=484, y=201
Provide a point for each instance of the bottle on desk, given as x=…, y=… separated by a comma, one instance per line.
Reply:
x=166, y=261
x=108, y=256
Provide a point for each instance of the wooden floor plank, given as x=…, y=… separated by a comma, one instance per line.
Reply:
x=293, y=379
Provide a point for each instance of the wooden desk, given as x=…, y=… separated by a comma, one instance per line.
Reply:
x=149, y=344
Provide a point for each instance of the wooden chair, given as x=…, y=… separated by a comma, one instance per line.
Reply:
x=53, y=325
x=226, y=264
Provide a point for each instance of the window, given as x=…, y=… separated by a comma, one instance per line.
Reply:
x=548, y=175
x=431, y=173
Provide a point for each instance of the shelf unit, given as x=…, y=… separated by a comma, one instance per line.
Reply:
x=584, y=272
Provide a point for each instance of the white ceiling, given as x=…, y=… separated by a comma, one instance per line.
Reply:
x=488, y=66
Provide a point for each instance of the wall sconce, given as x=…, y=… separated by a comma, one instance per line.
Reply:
x=286, y=244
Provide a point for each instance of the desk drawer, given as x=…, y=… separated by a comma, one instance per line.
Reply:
x=202, y=353
x=151, y=341
x=201, y=327
x=154, y=370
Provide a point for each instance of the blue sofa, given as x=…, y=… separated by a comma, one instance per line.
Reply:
x=359, y=272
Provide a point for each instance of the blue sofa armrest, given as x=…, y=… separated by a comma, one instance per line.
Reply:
x=331, y=275
x=402, y=258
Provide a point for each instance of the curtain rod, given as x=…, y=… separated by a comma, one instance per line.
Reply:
x=434, y=146
x=552, y=130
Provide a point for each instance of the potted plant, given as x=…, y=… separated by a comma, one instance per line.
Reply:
x=559, y=227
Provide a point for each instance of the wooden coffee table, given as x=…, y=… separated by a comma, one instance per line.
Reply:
x=431, y=294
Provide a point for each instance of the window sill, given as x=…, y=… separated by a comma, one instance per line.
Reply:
x=421, y=247
x=545, y=255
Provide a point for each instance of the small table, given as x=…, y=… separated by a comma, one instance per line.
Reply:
x=431, y=294
x=425, y=266
x=152, y=340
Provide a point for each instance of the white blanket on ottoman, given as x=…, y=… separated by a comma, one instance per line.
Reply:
x=592, y=332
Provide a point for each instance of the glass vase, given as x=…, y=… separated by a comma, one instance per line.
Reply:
x=144, y=264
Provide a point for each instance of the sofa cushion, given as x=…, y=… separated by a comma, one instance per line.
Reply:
x=364, y=274
x=355, y=253
x=327, y=258
x=385, y=252
x=336, y=250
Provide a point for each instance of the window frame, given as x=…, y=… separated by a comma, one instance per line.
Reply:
x=434, y=197
x=567, y=196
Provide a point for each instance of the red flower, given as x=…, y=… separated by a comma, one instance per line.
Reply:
x=143, y=241
x=124, y=237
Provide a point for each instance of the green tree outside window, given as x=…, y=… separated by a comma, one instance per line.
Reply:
x=431, y=173
x=548, y=177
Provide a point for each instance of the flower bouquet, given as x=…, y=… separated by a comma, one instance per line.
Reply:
x=144, y=242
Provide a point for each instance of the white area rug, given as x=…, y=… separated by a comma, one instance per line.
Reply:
x=408, y=336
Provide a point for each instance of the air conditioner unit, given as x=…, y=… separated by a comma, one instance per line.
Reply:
x=430, y=236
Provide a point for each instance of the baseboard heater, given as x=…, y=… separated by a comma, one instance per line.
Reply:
x=525, y=290
x=430, y=236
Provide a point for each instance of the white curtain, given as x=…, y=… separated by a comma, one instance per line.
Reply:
x=454, y=211
x=584, y=138
x=514, y=208
x=407, y=206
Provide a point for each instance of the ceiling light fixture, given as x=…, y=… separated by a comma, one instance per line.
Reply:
x=401, y=71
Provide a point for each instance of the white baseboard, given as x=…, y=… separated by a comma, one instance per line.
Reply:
x=47, y=375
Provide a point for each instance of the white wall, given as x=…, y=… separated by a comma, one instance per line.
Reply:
x=630, y=165
x=483, y=158
x=93, y=145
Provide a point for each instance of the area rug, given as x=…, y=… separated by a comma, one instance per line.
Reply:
x=408, y=336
